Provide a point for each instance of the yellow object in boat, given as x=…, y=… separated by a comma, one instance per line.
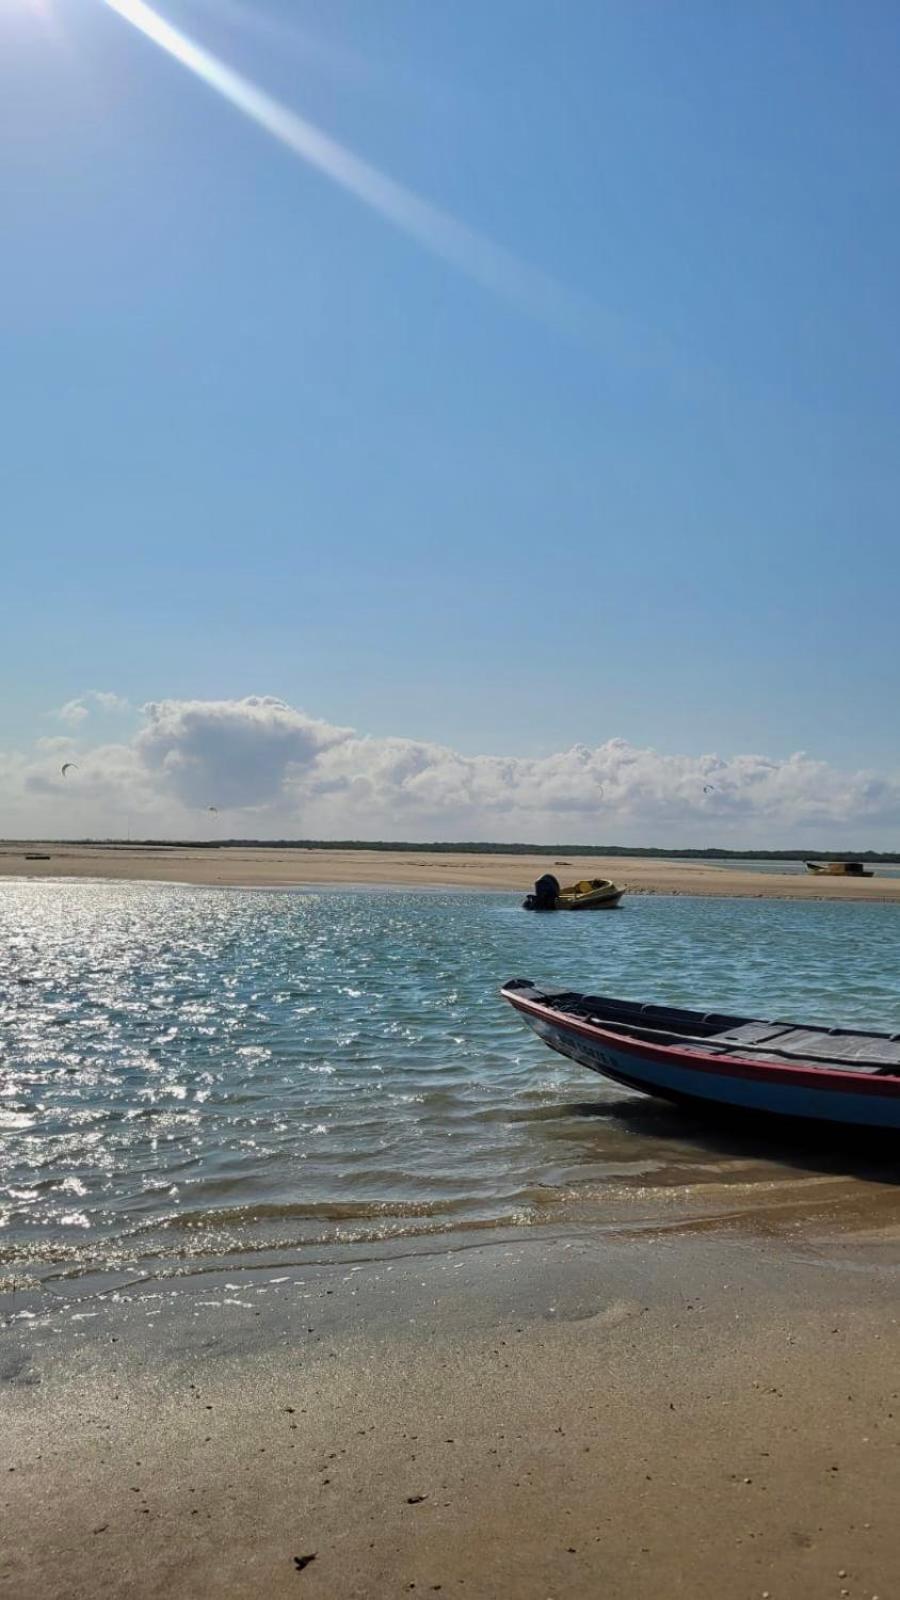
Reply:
x=590, y=894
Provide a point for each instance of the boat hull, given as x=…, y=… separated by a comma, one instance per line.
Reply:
x=600, y=900
x=590, y=894
x=809, y=1094
x=839, y=869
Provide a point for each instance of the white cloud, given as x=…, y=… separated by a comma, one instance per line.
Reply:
x=107, y=701
x=75, y=711
x=273, y=770
x=231, y=753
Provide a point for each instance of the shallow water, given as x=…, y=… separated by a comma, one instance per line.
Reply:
x=191, y=1075
x=792, y=868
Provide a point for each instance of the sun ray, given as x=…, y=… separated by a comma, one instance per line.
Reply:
x=471, y=252
x=284, y=32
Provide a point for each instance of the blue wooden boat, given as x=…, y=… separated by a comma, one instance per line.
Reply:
x=751, y=1064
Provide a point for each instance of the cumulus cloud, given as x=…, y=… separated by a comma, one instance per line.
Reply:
x=272, y=770
x=73, y=712
x=107, y=701
x=76, y=711
x=231, y=752
x=592, y=794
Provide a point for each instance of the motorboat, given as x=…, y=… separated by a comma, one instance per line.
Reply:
x=589, y=894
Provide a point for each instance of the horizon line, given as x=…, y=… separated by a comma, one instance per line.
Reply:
x=475, y=847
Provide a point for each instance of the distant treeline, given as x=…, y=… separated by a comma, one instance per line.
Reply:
x=476, y=847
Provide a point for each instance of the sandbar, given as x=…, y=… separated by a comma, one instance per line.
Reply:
x=249, y=866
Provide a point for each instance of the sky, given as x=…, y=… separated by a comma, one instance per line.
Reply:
x=451, y=420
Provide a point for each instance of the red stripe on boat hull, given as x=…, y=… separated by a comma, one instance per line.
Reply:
x=678, y=1073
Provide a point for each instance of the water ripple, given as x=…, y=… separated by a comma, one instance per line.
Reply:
x=191, y=1071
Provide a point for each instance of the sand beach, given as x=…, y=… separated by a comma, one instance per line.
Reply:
x=564, y=1416
x=432, y=419
x=249, y=1347
x=248, y=866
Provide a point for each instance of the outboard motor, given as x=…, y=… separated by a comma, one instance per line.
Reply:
x=545, y=892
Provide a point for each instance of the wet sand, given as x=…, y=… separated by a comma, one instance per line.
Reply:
x=254, y=867
x=553, y=1418
x=680, y=1394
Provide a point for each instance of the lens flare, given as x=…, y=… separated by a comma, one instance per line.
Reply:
x=471, y=252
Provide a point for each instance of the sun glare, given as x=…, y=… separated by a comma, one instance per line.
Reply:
x=23, y=8
x=469, y=251
x=20, y=12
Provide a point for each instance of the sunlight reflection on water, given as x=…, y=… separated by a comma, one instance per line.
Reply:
x=191, y=1072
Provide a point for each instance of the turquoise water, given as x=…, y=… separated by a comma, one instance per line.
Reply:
x=194, y=1074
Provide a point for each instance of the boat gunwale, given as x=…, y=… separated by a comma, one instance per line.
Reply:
x=840, y=869
x=805, y=1074
x=602, y=893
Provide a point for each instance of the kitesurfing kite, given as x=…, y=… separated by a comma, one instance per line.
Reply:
x=66, y=765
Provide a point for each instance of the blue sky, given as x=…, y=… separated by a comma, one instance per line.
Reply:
x=259, y=441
